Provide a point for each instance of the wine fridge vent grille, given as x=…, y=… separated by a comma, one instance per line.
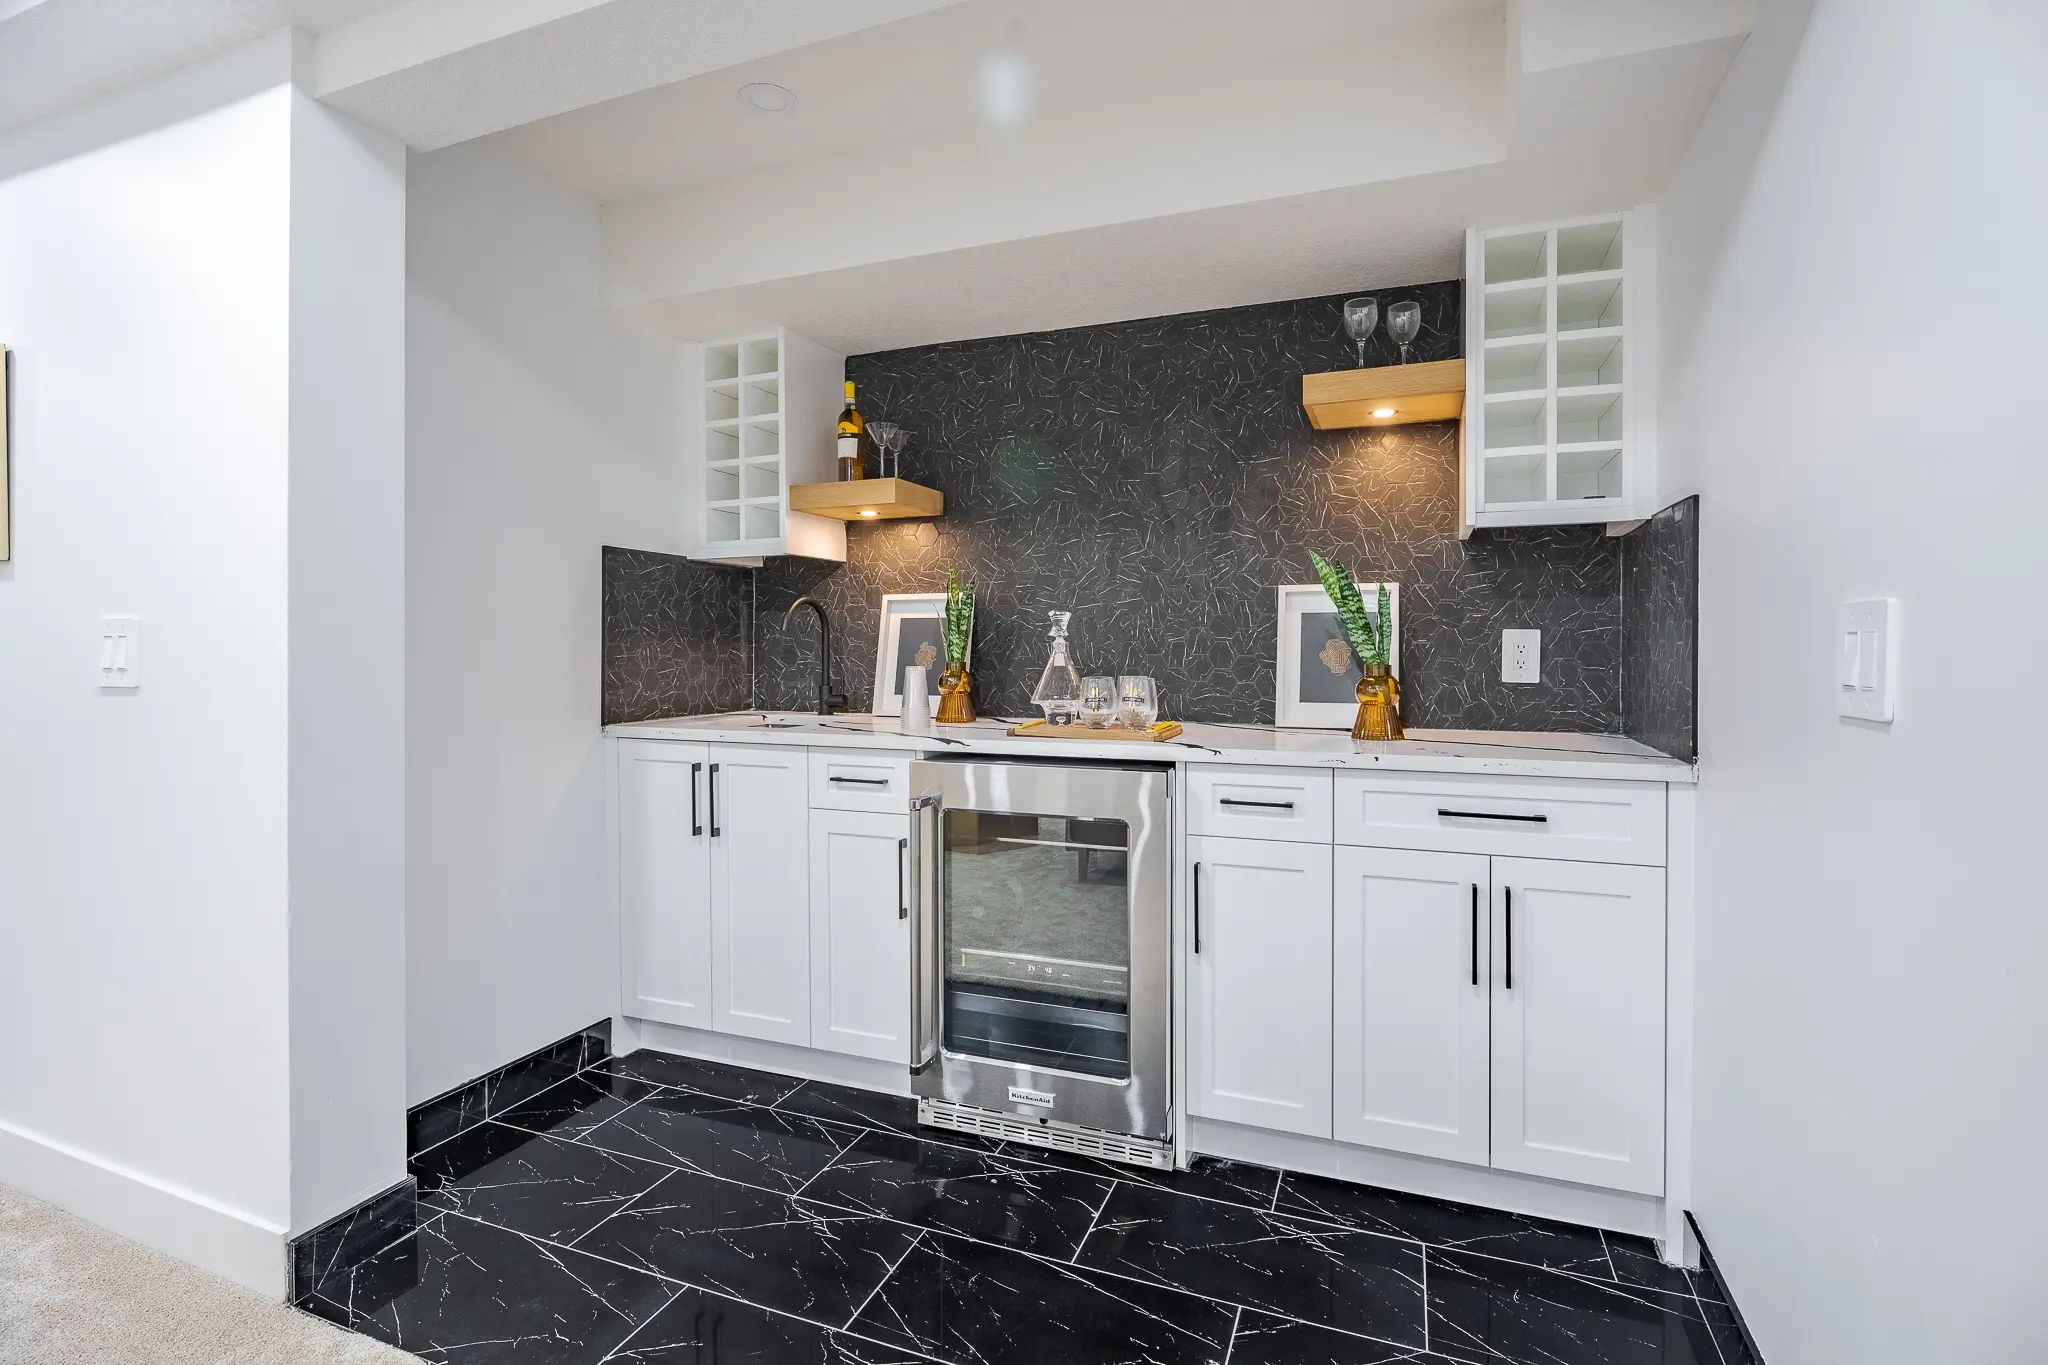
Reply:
x=961, y=1118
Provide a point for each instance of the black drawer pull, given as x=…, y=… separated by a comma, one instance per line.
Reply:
x=1475, y=933
x=712, y=786
x=1263, y=805
x=1510, y=894
x=696, y=825
x=861, y=781
x=1198, y=907
x=902, y=857
x=1491, y=815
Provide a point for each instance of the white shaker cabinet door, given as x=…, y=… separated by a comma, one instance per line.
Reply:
x=664, y=882
x=860, y=934
x=759, y=825
x=1259, y=983
x=1409, y=999
x=1578, y=1022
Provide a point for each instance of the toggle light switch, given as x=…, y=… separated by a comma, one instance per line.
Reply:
x=121, y=651
x=1867, y=658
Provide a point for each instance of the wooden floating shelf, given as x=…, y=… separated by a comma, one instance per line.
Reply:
x=867, y=499
x=1432, y=392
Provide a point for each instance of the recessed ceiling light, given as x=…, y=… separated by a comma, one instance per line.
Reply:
x=867, y=511
x=764, y=97
x=1383, y=412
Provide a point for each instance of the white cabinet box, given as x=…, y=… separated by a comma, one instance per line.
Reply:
x=664, y=858
x=1608, y=822
x=758, y=820
x=1260, y=803
x=1410, y=997
x=1578, y=1022
x=1259, y=983
x=860, y=934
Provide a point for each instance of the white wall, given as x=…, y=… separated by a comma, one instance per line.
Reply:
x=1853, y=378
x=537, y=432
x=163, y=905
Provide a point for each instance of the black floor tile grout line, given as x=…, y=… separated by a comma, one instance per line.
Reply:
x=887, y=1275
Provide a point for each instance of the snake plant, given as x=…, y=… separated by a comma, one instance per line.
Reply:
x=1369, y=641
x=959, y=618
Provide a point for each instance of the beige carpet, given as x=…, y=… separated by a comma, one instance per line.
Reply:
x=72, y=1292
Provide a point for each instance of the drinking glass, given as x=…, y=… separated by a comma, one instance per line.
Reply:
x=1098, y=702
x=1404, y=320
x=889, y=442
x=1360, y=317
x=1139, y=698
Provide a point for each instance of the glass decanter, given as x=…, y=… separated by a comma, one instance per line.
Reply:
x=1058, y=692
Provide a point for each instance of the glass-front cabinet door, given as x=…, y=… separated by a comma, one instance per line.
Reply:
x=1035, y=940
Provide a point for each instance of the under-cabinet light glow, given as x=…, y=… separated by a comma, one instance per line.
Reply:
x=867, y=511
x=1383, y=412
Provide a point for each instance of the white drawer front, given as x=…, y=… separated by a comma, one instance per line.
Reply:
x=1290, y=804
x=844, y=779
x=1599, y=822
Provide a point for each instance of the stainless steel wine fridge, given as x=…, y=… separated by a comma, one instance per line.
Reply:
x=1042, y=1007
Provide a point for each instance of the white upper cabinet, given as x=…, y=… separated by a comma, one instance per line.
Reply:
x=664, y=882
x=1578, y=1022
x=758, y=822
x=1410, y=997
x=1259, y=983
x=1560, y=373
x=760, y=414
x=860, y=933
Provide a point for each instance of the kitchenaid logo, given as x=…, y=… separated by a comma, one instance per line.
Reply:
x=1019, y=1095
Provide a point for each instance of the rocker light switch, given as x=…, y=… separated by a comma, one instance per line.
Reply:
x=1866, y=658
x=121, y=651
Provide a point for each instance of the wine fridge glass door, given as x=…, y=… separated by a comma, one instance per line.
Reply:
x=1036, y=941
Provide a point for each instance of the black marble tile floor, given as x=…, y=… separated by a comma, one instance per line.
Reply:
x=657, y=1210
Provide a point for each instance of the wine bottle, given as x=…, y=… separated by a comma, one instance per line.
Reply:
x=853, y=440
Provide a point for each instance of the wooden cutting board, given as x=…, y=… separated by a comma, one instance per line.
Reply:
x=1039, y=729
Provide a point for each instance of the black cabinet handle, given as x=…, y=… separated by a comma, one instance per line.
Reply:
x=1198, y=908
x=861, y=781
x=714, y=800
x=1475, y=933
x=696, y=825
x=1509, y=891
x=902, y=857
x=1491, y=815
x=1263, y=805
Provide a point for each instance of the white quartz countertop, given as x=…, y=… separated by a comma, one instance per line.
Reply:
x=1501, y=752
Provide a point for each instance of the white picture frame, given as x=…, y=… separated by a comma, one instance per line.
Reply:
x=899, y=608
x=1327, y=700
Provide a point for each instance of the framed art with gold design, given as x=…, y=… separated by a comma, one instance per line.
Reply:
x=913, y=635
x=1316, y=671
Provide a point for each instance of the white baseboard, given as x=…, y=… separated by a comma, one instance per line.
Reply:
x=1614, y=1210
x=178, y=1222
x=865, y=1073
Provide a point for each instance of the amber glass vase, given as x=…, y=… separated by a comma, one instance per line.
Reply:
x=1379, y=705
x=956, y=707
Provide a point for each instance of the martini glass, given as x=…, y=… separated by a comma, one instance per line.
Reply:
x=1360, y=317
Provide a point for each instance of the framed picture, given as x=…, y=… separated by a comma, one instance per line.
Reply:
x=1317, y=669
x=913, y=635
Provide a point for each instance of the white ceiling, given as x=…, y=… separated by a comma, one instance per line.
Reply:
x=892, y=83
x=57, y=53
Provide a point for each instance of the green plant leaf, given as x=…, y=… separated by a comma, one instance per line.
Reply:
x=959, y=617
x=1342, y=591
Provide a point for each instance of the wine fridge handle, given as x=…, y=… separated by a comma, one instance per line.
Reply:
x=924, y=936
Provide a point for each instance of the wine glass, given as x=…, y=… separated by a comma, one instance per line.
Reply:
x=1404, y=320
x=889, y=440
x=1139, y=698
x=1098, y=702
x=1360, y=317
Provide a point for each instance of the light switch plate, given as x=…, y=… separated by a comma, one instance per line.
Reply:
x=121, y=652
x=1867, y=658
x=1521, y=656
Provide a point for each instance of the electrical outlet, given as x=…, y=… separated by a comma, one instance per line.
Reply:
x=1521, y=656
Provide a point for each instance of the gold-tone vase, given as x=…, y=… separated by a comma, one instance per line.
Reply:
x=956, y=707
x=1379, y=705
